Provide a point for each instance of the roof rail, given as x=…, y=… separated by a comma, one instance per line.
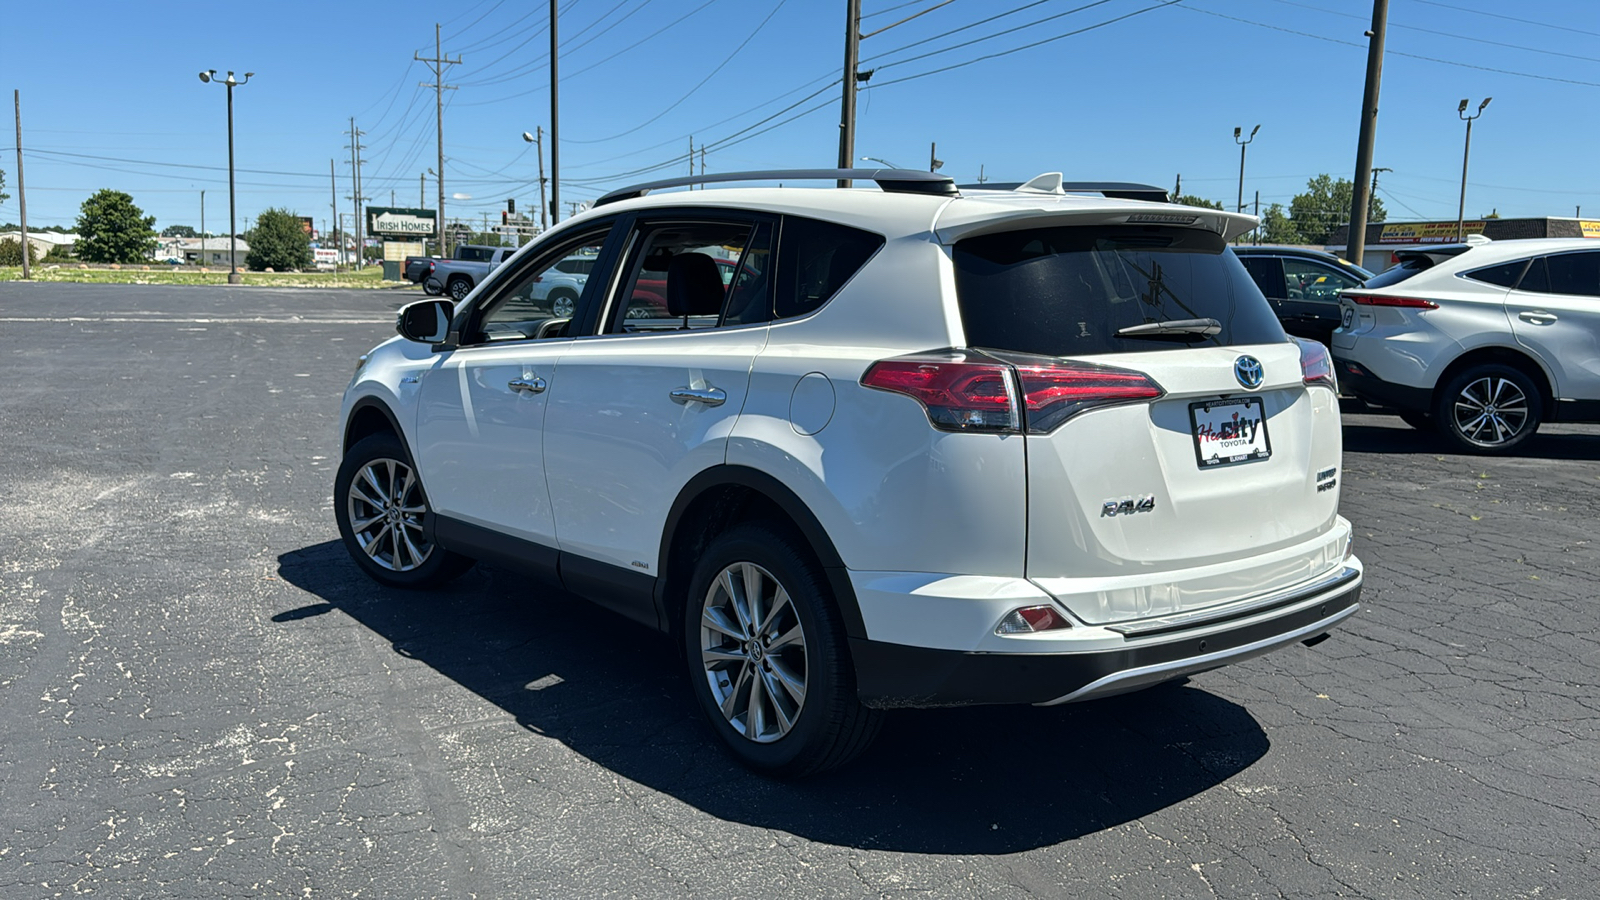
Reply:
x=1051, y=183
x=894, y=181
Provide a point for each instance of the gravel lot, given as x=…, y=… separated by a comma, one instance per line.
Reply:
x=200, y=697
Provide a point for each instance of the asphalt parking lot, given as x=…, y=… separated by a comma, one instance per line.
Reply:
x=200, y=697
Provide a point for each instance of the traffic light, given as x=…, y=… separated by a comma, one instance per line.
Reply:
x=511, y=205
x=504, y=217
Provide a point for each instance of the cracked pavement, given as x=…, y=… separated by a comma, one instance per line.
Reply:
x=201, y=697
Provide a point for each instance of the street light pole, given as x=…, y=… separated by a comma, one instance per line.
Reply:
x=201, y=256
x=209, y=76
x=1243, y=143
x=1466, y=153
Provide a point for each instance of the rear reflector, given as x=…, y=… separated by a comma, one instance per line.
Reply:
x=1031, y=619
x=984, y=396
x=1401, y=302
x=1316, y=366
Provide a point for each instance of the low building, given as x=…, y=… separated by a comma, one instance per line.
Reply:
x=1385, y=238
x=43, y=241
x=212, y=251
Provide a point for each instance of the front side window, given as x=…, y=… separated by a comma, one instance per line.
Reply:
x=1314, y=281
x=537, y=300
x=1079, y=290
x=688, y=275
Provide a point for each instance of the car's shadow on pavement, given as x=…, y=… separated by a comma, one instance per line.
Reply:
x=1387, y=434
x=976, y=780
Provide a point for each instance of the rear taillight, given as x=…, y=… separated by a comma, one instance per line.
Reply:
x=998, y=398
x=1316, y=366
x=1054, y=394
x=1400, y=302
x=958, y=396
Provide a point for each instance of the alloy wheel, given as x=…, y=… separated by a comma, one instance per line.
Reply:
x=562, y=307
x=386, y=509
x=753, y=650
x=459, y=289
x=1491, y=410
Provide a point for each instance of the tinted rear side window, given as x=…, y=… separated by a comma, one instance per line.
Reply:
x=815, y=259
x=1067, y=291
x=1504, y=275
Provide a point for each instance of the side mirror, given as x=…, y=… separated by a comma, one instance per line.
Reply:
x=425, y=321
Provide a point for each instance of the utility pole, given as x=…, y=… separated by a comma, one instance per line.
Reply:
x=1355, y=245
x=1257, y=229
x=691, y=156
x=1177, y=188
x=22, y=195
x=934, y=162
x=202, y=256
x=555, y=123
x=355, y=181
x=422, y=190
x=847, y=107
x=544, y=211
x=333, y=188
x=438, y=65
x=1372, y=201
x=1242, y=145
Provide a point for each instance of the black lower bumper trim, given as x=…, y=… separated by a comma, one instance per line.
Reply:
x=896, y=675
x=1354, y=379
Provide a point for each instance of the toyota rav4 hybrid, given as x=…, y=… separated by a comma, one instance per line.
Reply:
x=1482, y=342
x=925, y=446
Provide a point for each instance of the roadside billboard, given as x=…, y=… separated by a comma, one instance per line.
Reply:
x=397, y=222
x=1426, y=232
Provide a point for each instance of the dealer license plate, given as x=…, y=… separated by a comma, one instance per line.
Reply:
x=1229, y=431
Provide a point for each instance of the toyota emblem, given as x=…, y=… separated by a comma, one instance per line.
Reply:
x=1248, y=370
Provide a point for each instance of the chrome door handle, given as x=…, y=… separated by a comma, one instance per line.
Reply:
x=1538, y=318
x=534, y=386
x=708, y=396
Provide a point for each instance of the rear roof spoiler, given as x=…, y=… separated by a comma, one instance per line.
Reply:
x=1051, y=183
x=894, y=181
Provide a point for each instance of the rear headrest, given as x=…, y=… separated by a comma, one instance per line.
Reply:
x=694, y=286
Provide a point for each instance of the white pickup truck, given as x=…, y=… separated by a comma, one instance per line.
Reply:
x=459, y=276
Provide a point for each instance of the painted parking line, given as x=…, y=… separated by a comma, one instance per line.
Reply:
x=200, y=320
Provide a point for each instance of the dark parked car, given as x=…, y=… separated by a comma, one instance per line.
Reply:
x=1303, y=286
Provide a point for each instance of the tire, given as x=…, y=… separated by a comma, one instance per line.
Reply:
x=769, y=726
x=432, y=287
x=375, y=491
x=460, y=287
x=563, y=304
x=1489, y=409
x=1421, y=421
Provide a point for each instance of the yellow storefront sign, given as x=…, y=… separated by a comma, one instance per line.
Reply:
x=1589, y=229
x=1428, y=232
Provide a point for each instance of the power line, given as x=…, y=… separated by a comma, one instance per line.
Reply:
x=985, y=21
x=1479, y=12
x=701, y=84
x=865, y=16
x=1460, y=37
x=1447, y=62
x=1047, y=40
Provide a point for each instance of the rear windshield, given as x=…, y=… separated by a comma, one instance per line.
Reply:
x=1067, y=291
x=1398, y=273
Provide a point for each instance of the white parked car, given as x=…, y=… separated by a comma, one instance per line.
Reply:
x=921, y=447
x=1482, y=341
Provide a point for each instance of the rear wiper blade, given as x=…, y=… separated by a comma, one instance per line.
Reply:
x=1182, y=327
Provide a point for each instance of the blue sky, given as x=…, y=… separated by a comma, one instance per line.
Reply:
x=1141, y=99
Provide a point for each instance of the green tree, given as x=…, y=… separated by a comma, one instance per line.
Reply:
x=11, y=253
x=1325, y=206
x=112, y=230
x=278, y=242
x=1192, y=200
x=3, y=195
x=182, y=231
x=1278, y=228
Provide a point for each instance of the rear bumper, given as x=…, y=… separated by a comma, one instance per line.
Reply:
x=1357, y=380
x=897, y=675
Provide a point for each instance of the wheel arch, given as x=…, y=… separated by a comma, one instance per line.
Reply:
x=369, y=416
x=719, y=498
x=1505, y=356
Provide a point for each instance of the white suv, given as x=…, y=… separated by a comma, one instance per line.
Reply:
x=1481, y=341
x=921, y=447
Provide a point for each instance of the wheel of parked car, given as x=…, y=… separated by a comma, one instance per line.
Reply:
x=382, y=512
x=432, y=287
x=460, y=286
x=562, y=304
x=1489, y=409
x=1421, y=421
x=767, y=656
